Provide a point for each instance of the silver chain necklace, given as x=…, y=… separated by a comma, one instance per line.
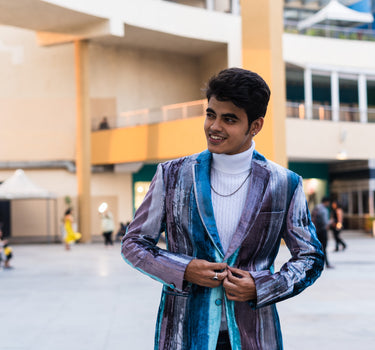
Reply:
x=231, y=194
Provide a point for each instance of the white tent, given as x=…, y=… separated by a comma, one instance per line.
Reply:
x=19, y=186
x=336, y=12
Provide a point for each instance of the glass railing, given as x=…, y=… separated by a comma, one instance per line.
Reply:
x=197, y=108
x=346, y=113
x=331, y=31
x=145, y=116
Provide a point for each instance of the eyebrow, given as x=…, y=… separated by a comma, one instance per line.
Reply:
x=230, y=115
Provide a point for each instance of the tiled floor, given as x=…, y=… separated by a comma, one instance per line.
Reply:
x=89, y=299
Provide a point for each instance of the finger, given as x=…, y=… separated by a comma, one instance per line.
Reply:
x=219, y=267
x=232, y=278
x=238, y=272
x=229, y=286
x=218, y=276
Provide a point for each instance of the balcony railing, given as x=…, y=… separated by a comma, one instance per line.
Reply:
x=324, y=112
x=166, y=113
x=197, y=108
x=331, y=31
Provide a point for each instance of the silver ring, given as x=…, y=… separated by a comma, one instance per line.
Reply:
x=215, y=278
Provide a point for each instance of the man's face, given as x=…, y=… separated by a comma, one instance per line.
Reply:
x=227, y=128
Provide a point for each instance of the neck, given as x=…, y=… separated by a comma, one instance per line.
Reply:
x=233, y=164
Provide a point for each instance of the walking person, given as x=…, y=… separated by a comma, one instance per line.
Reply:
x=320, y=218
x=224, y=212
x=337, y=225
x=107, y=224
x=71, y=236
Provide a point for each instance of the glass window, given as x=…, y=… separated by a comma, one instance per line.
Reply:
x=354, y=202
x=365, y=202
x=344, y=201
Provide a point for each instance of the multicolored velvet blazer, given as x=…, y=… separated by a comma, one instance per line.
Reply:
x=179, y=203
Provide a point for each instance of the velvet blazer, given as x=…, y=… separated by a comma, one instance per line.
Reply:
x=179, y=204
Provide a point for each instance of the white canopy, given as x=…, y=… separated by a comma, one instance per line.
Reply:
x=19, y=186
x=335, y=11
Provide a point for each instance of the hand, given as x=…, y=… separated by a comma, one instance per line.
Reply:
x=239, y=285
x=201, y=272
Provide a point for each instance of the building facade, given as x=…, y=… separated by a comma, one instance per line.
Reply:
x=147, y=63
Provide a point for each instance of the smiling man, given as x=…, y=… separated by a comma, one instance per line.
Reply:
x=224, y=212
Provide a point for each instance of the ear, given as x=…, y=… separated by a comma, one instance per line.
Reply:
x=256, y=126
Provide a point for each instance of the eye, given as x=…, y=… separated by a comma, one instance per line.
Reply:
x=229, y=120
x=210, y=116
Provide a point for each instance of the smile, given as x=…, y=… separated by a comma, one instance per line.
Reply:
x=216, y=137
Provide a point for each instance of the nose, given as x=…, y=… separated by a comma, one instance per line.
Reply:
x=216, y=125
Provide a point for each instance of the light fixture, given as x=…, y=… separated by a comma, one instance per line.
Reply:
x=342, y=155
x=103, y=207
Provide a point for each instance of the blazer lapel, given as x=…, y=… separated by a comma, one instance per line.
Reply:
x=259, y=180
x=202, y=190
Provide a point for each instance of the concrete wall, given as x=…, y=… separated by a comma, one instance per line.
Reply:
x=37, y=108
x=323, y=140
x=350, y=54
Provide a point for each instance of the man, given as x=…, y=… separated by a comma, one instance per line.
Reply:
x=224, y=212
x=320, y=218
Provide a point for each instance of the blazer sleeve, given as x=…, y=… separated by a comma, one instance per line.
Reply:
x=139, y=246
x=306, y=262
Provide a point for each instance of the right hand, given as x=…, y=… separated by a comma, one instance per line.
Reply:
x=201, y=272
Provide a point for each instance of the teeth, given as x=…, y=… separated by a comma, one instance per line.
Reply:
x=216, y=137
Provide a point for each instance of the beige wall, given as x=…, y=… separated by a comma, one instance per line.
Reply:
x=37, y=108
x=142, y=78
x=212, y=63
x=323, y=140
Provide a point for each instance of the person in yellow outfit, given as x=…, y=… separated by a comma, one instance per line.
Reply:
x=70, y=235
x=5, y=251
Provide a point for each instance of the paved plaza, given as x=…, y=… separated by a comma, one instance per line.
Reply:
x=89, y=299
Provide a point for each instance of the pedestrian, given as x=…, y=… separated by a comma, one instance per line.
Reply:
x=6, y=252
x=320, y=218
x=107, y=223
x=104, y=124
x=224, y=212
x=337, y=215
x=71, y=236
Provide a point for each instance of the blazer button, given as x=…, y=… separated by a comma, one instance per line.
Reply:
x=218, y=302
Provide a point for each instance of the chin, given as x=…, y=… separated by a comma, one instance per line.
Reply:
x=213, y=149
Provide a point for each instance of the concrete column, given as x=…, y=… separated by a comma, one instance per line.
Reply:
x=210, y=5
x=362, y=98
x=235, y=6
x=308, y=93
x=262, y=29
x=83, y=139
x=335, y=99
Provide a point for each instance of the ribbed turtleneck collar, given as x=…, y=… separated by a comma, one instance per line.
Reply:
x=233, y=164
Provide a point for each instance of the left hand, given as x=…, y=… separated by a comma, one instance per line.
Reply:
x=239, y=285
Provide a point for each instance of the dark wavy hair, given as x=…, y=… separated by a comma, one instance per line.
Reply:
x=243, y=88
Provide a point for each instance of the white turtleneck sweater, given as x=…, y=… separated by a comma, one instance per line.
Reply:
x=228, y=172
